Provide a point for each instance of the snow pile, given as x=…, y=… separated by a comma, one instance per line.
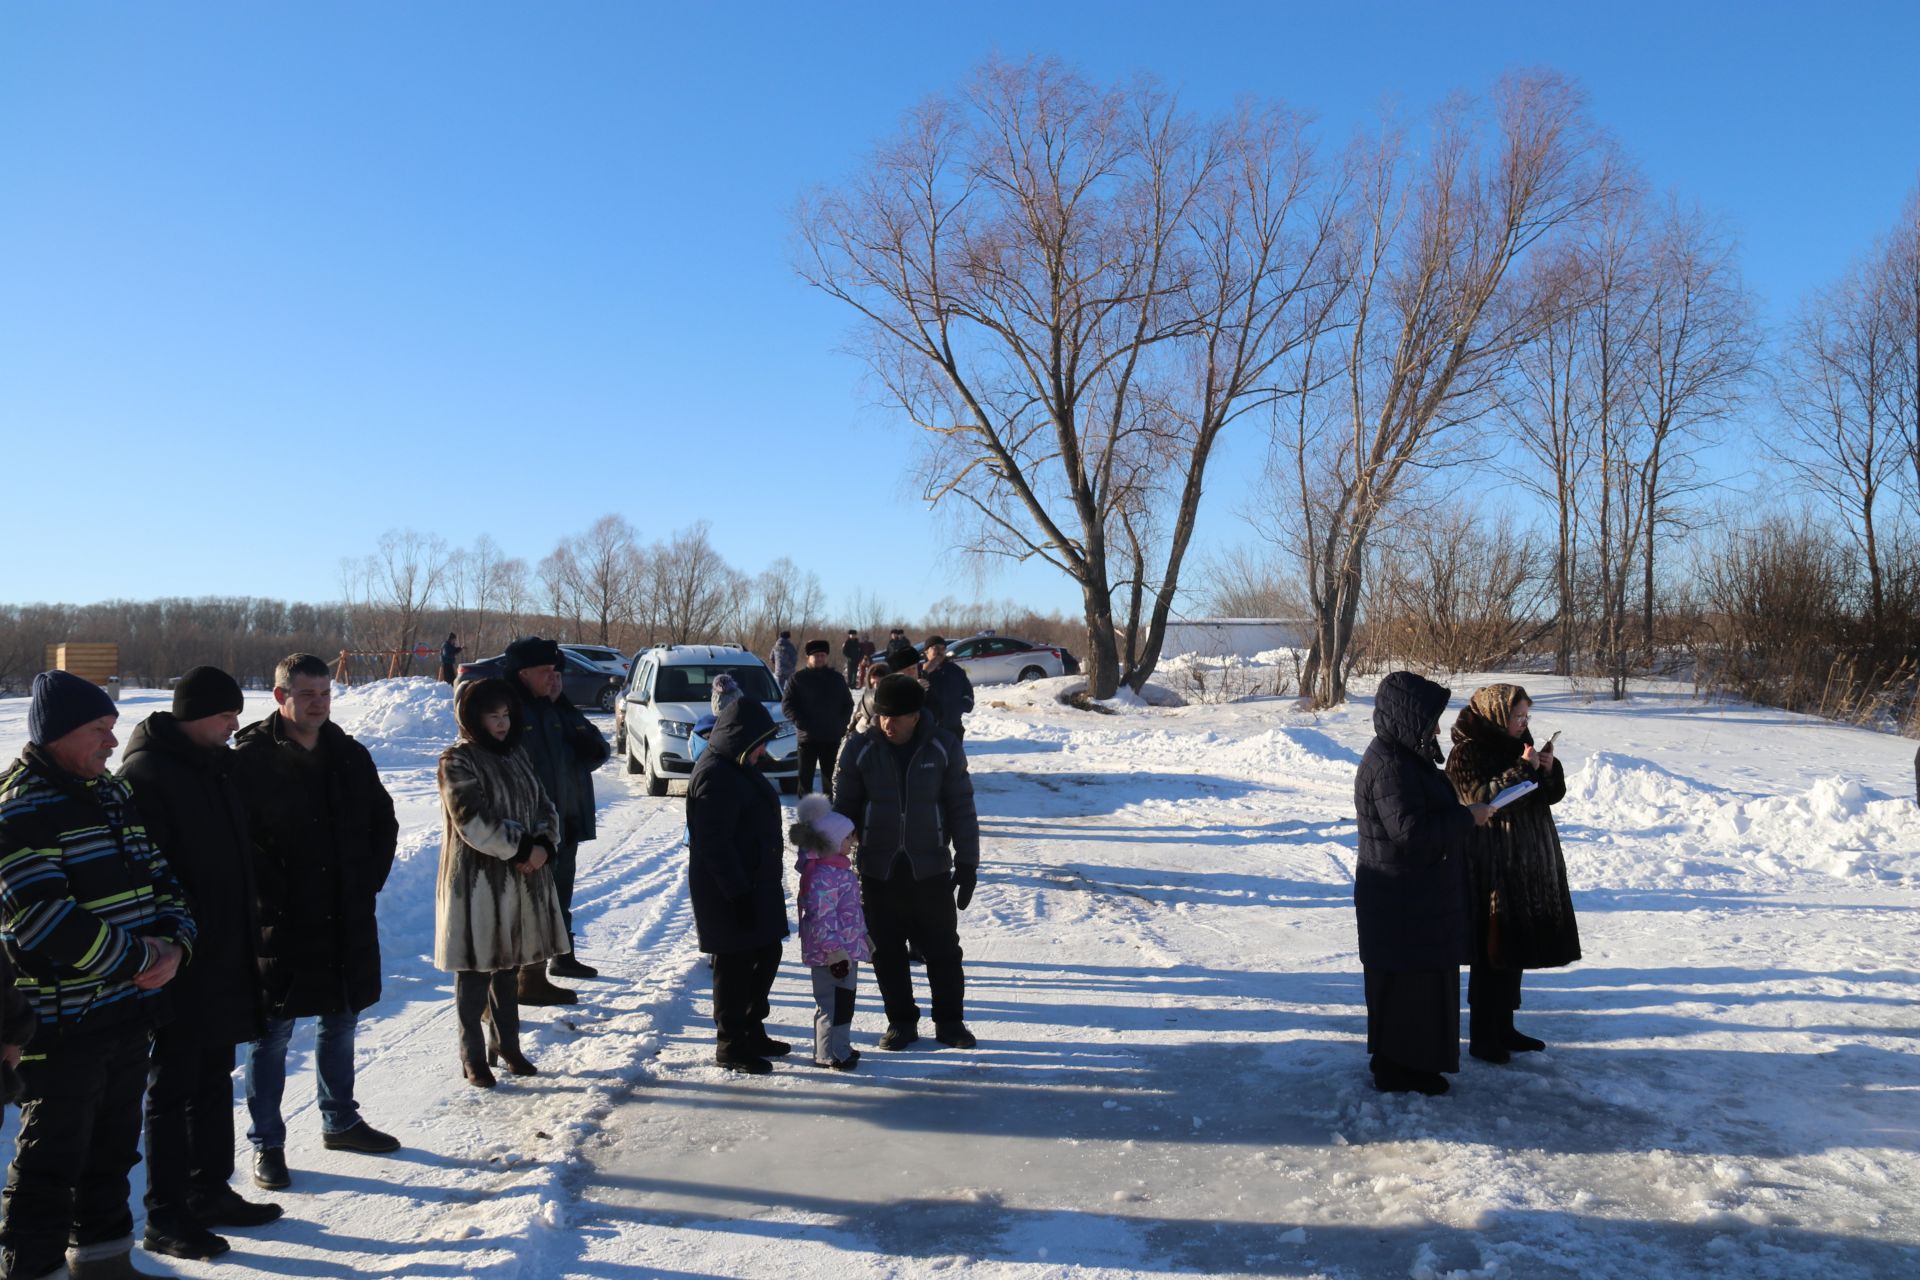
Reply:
x=399, y=721
x=1836, y=826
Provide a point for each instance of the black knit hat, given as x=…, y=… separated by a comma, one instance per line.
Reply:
x=62, y=702
x=818, y=646
x=531, y=651
x=901, y=656
x=898, y=695
x=206, y=691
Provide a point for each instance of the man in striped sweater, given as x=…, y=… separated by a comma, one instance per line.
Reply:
x=97, y=926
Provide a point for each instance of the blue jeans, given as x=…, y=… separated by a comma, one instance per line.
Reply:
x=267, y=1078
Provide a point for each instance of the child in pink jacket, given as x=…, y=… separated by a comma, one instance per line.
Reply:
x=833, y=928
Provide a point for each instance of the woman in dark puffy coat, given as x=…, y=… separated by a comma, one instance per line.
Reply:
x=1522, y=911
x=735, y=877
x=1410, y=889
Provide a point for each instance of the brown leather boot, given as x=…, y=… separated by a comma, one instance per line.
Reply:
x=535, y=988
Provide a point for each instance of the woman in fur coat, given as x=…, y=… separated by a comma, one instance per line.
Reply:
x=1521, y=910
x=496, y=907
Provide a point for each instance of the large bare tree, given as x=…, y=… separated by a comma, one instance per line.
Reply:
x=1074, y=290
x=1840, y=375
x=1436, y=308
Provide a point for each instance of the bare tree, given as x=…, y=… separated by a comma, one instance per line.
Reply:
x=1074, y=290
x=1249, y=582
x=1842, y=363
x=691, y=593
x=1700, y=355
x=599, y=574
x=1461, y=592
x=403, y=578
x=1434, y=315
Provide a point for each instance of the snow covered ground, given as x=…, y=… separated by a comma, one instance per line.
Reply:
x=1162, y=973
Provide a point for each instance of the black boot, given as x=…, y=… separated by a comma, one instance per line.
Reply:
x=1517, y=1043
x=222, y=1206
x=503, y=1041
x=1487, y=1031
x=569, y=966
x=1391, y=1077
x=270, y=1169
x=177, y=1235
x=899, y=1035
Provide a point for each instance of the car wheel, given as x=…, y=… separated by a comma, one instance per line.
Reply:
x=606, y=698
x=626, y=752
x=656, y=785
x=1032, y=673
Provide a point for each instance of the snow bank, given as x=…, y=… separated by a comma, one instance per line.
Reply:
x=400, y=721
x=1835, y=826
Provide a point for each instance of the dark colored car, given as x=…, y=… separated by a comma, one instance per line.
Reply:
x=584, y=684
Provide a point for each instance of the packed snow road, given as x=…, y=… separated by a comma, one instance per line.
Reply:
x=1162, y=973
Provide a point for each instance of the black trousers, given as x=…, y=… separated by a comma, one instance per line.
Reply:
x=189, y=1116
x=1413, y=1018
x=564, y=861
x=900, y=909
x=824, y=753
x=496, y=995
x=79, y=1137
x=742, y=983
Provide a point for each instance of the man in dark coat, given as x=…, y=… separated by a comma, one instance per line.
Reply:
x=565, y=748
x=181, y=772
x=449, y=658
x=97, y=928
x=905, y=785
x=734, y=858
x=1410, y=889
x=819, y=703
x=947, y=681
x=323, y=834
x=905, y=660
x=851, y=651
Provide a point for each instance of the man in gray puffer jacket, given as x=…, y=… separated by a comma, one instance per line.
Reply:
x=904, y=783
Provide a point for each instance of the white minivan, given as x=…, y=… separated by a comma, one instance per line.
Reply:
x=671, y=688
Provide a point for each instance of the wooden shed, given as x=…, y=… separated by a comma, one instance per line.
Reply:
x=99, y=663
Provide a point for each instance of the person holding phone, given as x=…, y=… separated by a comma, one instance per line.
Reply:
x=1522, y=909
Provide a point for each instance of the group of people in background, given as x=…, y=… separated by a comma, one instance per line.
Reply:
x=1459, y=863
x=888, y=853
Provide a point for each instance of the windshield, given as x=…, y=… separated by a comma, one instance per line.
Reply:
x=695, y=683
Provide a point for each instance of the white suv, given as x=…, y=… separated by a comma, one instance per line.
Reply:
x=672, y=687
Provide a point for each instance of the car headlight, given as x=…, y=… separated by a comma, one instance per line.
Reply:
x=676, y=728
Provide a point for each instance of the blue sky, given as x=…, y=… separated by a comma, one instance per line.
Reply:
x=277, y=277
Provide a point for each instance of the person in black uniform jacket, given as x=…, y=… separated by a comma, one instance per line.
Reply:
x=734, y=877
x=851, y=650
x=1410, y=889
x=947, y=681
x=905, y=785
x=819, y=703
x=182, y=777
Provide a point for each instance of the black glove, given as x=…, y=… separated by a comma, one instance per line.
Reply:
x=964, y=879
x=525, y=852
x=840, y=968
x=743, y=912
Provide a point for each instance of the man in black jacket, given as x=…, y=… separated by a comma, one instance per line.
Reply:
x=852, y=651
x=904, y=783
x=323, y=834
x=181, y=772
x=98, y=928
x=565, y=749
x=819, y=703
x=734, y=858
x=947, y=681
